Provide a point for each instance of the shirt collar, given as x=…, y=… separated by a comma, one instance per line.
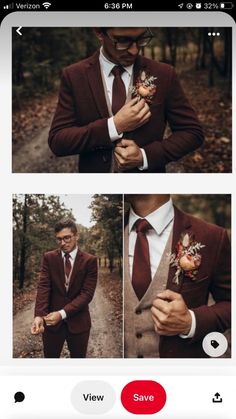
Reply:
x=108, y=65
x=72, y=254
x=159, y=219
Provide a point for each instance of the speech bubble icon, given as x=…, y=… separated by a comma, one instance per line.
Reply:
x=19, y=397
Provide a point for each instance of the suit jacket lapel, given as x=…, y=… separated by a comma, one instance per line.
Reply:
x=96, y=84
x=182, y=222
x=138, y=66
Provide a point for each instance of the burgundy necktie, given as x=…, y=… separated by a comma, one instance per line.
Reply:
x=118, y=89
x=141, y=277
x=67, y=265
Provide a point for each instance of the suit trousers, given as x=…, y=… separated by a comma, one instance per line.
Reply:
x=53, y=342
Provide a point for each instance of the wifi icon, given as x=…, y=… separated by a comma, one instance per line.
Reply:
x=46, y=5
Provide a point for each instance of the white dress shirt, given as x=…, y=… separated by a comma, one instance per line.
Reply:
x=162, y=221
x=72, y=261
x=106, y=68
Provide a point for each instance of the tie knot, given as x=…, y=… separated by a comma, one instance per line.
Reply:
x=142, y=225
x=117, y=70
x=67, y=256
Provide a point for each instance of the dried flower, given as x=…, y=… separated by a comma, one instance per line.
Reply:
x=186, y=257
x=144, y=87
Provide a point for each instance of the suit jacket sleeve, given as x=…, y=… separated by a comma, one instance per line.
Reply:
x=187, y=134
x=86, y=293
x=67, y=136
x=218, y=316
x=44, y=290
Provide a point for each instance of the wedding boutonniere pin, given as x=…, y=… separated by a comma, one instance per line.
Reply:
x=186, y=257
x=144, y=87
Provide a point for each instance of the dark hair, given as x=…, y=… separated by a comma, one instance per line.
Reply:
x=103, y=30
x=65, y=223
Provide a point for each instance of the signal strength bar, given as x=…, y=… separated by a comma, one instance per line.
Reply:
x=9, y=6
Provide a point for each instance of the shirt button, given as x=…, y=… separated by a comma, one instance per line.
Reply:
x=139, y=335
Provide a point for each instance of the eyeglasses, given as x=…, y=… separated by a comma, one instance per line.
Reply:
x=125, y=42
x=66, y=239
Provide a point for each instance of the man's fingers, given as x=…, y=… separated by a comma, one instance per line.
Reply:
x=139, y=105
x=41, y=329
x=33, y=330
x=120, y=151
x=119, y=158
x=169, y=295
x=119, y=143
x=161, y=305
x=144, y=110
x=126, y=142
x=48, y=316
x=133, y=101
x=145, y=115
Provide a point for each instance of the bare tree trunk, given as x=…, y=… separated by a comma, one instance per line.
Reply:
x=23, y=245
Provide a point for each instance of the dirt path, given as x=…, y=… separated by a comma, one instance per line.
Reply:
x=105, y=337
x=106, y=334
x=36, y=157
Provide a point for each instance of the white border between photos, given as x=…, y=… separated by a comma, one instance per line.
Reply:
x=99, y=183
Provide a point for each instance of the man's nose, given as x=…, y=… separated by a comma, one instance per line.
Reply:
x=133, y=49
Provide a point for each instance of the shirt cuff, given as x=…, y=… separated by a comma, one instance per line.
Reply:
x=114, y=136
x=193, y=327
x=145, y=162
x=63, y=314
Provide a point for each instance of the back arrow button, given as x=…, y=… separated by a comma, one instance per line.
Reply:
x=18, y=30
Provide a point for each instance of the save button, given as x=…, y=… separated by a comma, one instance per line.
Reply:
x=143, y=397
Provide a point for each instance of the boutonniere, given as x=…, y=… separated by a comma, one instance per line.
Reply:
x=144, y=87
x=186, y=257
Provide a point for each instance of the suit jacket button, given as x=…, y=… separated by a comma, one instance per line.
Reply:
x=138, y=311
x=139, y=335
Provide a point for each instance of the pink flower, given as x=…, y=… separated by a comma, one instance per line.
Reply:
x=145, y=91
x=189, y=263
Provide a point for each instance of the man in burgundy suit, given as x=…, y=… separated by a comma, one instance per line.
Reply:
x=170, y=315
x=111, y=131
x=67, y=283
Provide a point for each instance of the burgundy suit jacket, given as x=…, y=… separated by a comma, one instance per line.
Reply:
x=214, y=276
x=52, y=295
x=80, y=122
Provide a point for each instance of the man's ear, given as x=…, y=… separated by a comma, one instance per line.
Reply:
x=99, y=34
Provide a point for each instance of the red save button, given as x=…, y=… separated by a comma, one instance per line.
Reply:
x=143, y=397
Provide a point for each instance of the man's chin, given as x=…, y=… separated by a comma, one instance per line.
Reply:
x=126, y=62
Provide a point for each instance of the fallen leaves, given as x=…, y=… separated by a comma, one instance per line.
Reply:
x=214, y=108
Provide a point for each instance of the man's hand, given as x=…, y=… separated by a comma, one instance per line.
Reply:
x=132, y=115
x=127, y=155
x=53, y=318
x=37, y=326
x=170, y=314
